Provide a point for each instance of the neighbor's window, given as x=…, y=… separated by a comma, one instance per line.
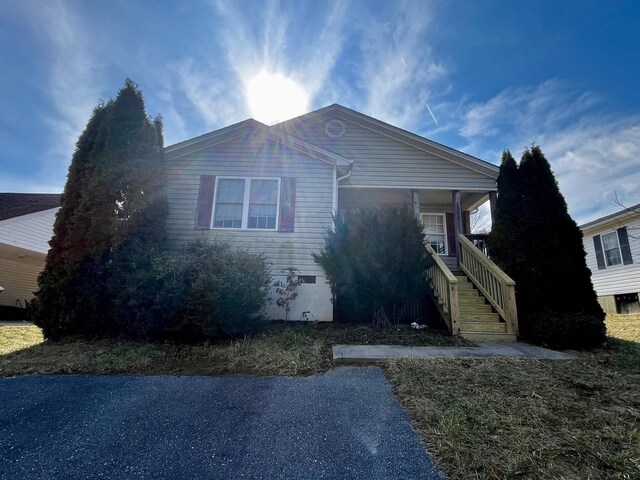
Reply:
x=246, y=203
x=435, y=231
x=611, y=249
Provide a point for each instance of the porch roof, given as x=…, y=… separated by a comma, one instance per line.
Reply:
x=433, y=199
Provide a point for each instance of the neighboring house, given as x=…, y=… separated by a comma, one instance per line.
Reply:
x=26, y=226
x=612, y=244
x=274, y=190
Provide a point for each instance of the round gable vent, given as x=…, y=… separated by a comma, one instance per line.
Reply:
x=334, y=128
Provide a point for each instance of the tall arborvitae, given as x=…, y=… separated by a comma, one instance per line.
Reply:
x=504, y=230
x=112, y=218
x=554, y=242
x=556, y=301
x=58, y=301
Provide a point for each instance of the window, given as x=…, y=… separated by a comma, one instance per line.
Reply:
x=435, y=230
x=250, y=203
x=611, y=249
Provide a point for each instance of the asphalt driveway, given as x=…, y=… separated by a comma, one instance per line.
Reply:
x=342, y=424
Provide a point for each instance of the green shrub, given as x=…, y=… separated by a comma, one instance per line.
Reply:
x=576, y=330
x=204, y=290
x=375, y=261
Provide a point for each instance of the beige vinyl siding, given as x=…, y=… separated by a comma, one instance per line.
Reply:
x=620, y=278
x=31, y=232
x=239, y=157
x=384, y=162
x=19, y=279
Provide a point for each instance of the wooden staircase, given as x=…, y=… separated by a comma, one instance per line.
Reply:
x=476, y=300
x=478, y=320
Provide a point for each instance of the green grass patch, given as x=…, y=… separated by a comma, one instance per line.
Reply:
x=510, y=418
x=292, y=349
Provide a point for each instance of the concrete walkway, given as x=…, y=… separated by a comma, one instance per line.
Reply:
x=354, y=353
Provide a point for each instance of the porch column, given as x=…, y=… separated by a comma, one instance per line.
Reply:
x=493, y=196
x=415, y=197
x=466, y=218
x=457, y=218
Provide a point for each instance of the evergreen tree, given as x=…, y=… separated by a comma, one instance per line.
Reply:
x=540, y=246
x=504, y=232
x=67, y=266
x=110, y=222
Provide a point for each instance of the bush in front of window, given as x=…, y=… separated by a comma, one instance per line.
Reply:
x=375, y=261
x=202, y=291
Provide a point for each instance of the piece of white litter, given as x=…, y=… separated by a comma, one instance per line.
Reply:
x=417, y=326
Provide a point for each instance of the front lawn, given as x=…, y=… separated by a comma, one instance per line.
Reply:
x=294, y=349
x=508, y=418
x=490, y=418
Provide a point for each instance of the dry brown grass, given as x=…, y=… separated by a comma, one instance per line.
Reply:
x=281, y=350
x=539, y=419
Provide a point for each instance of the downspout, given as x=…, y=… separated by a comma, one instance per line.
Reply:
x=336, y=181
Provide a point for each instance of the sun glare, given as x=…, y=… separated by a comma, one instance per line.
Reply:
x=274, y=98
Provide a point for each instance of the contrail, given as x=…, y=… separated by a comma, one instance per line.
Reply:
x=432, y=115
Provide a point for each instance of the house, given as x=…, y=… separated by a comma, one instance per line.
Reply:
x=612, y=244
x=26, y=226
x=274, y=189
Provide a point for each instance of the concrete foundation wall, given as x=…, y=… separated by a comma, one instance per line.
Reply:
x=313, y=298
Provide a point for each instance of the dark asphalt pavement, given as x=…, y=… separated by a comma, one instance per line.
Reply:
x=344, y=424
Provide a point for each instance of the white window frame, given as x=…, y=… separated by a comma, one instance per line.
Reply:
x=604, y=252
x=245, y=203
x=444, y=226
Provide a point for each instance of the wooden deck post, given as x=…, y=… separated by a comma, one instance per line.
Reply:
x=454, y=309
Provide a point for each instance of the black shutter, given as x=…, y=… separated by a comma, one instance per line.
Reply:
x=287, y=204
x=205, y=202
x=597, y=243
x=624, y=246
x=451, y=235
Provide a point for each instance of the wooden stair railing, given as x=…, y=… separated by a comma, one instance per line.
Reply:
x=445, y=291
x=497, y=287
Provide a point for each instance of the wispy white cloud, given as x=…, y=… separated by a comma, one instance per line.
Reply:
x=216, y=99
x=321, y=55
x=399, y=71
x=73, y=84
x=527, y=108
x=593, y=154
x=594, y=159
x=307, y=56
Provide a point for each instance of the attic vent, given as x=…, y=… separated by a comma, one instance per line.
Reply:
x=334, y=128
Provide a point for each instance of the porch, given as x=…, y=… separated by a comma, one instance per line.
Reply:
x=473, y=296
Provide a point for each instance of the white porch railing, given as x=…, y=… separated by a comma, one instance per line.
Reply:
x=494, y=284
x=445, y=291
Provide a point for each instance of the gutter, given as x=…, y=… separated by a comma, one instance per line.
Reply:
x=336, y=181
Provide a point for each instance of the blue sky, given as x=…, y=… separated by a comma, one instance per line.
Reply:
x=495, y=74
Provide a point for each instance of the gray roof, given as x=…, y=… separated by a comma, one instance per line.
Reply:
x=17, y=204
x=624, y=212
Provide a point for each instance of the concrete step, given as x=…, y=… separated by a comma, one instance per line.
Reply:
x=479, y=317
x=488, y=336
x=483, y=327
